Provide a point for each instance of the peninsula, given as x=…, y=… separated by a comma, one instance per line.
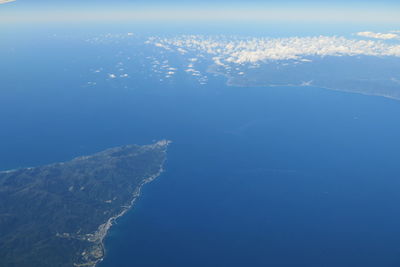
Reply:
x=59, y=214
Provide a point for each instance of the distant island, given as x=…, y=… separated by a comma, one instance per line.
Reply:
x=367, y=75
x=59, y=214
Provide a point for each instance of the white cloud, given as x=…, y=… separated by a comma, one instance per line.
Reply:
x=6, y=1
x=377, y=35
x=182, y=51
x=161, y=45
x=225, y=51
x=307, y=83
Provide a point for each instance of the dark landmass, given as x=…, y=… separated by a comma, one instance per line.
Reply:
x=59, y=214
x=369, y=75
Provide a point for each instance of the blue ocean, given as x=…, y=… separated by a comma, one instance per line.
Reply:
x=283, y=176
x=269, y=177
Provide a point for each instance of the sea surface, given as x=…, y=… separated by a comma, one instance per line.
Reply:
x=269, y=177
x=284, y=176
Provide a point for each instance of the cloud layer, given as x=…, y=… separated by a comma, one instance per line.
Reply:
x=377, y=35
x=224, y=50
x=6, y=1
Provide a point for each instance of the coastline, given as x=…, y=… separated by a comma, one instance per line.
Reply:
x=229, y=82
x=86, y=248
x=98, y=249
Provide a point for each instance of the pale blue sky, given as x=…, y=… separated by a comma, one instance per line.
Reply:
x=350, y=11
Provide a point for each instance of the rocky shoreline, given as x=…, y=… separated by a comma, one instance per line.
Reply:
x=96, y=253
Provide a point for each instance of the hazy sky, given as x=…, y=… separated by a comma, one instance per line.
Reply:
x=353, y=11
